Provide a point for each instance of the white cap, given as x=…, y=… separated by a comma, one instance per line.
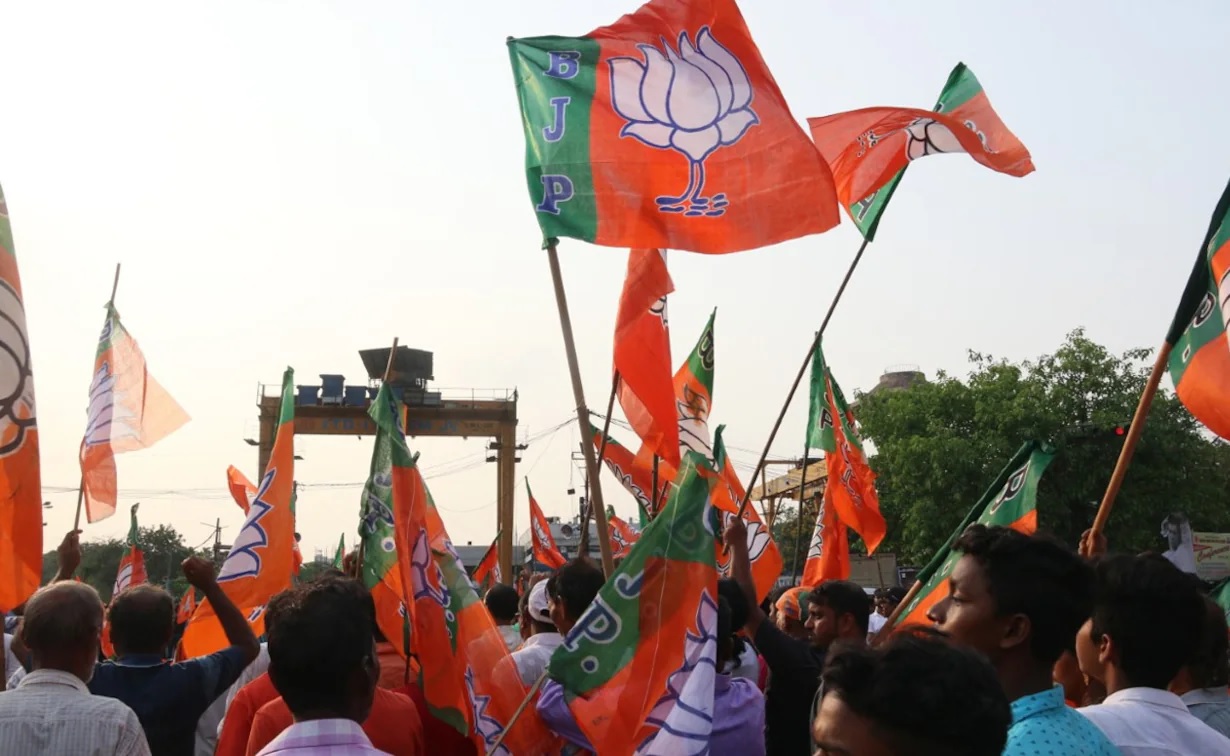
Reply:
x=540, y=611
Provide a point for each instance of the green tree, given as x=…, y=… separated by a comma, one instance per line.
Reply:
x=164, y=551
x=939, y=444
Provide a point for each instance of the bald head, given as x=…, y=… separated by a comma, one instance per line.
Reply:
x=61, y=628
x=142, y=620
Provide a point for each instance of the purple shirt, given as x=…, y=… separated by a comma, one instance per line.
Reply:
x=738, y=716
x=322, y=737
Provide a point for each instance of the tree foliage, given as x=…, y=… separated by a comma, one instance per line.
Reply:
x=164, y=551
x=940, y=444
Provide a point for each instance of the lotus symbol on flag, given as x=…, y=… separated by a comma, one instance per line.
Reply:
x=693, y=100
x=927, y=136
x=16, y=378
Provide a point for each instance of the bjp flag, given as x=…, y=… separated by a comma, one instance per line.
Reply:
x=259, y=563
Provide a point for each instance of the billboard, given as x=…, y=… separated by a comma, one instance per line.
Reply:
x=1212, y=555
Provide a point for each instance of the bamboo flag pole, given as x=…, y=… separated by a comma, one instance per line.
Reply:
x=1129, y=447
x=606, y=429
x=388, y=371
x=578, y=391
x=115, y=285
x=892, y=618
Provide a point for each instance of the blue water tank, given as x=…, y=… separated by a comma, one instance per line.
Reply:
x=356, y=396
x=307, y=395
x=331, y=388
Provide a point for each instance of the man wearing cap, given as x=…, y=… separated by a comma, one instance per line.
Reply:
x=534, y=655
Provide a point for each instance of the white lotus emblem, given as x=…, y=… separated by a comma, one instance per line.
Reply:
x=16, y=378
x=693, y=100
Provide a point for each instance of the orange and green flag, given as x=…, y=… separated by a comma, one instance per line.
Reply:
x=728, y=493
x=1200, y=352
x=622, y=537
x=694, y=394
x=666, y=130
x=187, y=605
x=633, y=474
x=466, y=673
x=259, y=562
x=828, y=556
x=643, y=354
x=830, y=426
x=546, y=552
x=132, y=565
x=339, y=556
x=128, y=410
x=638, y=669
x=487, y=573
x=869, y=149
x=379, y=570
x=21, y=493
x=1011, y=502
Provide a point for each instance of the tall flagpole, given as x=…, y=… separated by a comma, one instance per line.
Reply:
x=606, y=429
x=578, y=392
x=388, y=371
x=115, y=285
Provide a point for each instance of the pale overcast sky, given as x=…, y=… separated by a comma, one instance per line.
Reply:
x=286, y=183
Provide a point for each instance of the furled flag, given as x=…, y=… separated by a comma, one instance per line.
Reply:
x=666, y=130
x=339, y=556
x=545, y=551
x=1011, y=501
x=132, y=565
x=828, y=556
x=187, y=605
x=259, y=562
x=869, y=149
x=378, y=546
x=728, y=493
x=643, y=354
x=694, y=394
x=242, y=490
x=1200, y=351
x=638, y=669
x=830, y=426
x=487, y=573
x=129, y=410
x=21, y=493
x=466, y=675
x=635, y=477
x=622, y=537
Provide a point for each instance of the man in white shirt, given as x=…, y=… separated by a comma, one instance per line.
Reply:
x=1147, y=616
x=501, y=602
x=51, y=712
x=534, y=655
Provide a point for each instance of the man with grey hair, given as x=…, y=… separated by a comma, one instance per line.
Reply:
x=51, y=711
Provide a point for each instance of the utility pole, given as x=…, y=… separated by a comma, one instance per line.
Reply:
x=217, y=526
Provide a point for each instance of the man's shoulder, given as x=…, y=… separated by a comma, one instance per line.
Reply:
x=1062, y=732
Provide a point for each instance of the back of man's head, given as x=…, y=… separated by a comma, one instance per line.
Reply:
x=1208, y=664
x=574, y=586
x=1153, y=614
x=1037, y=577
x=912, y=695
x=321, y=653
x=845, y=599
x=61, y=628
x=736, y=599
x=501, y=601
x=276, y=606
x=141, y=619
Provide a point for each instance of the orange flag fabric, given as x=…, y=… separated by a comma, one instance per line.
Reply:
x=867, y=148
x=259, y=563
x=187, y=605
x=21, y=493
x=132, y=565
x=635, y=475
x=487, y=573
x=728, y=492
x=666, y=130
x=129, y=410
x=643, y=354
x=622, y=537
x=828, y=557
x=545, y=551
x=242, y=490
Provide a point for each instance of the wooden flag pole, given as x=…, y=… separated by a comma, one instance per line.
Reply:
x=578, y=392
x=388, y=371
x=653, y=493
x=1129, y=447
x=115, y=285
x=495, y=747
x=892, y=618
x=606, y=429
x=815, y=343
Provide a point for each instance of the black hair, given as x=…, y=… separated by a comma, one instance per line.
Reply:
x=843, y=597
x=1035, y=576
x=328, y=573
x=736, y=599
x=1151, y=611
x=501, y=601
x=923, y=696
x=142, y=619
x=276, y=606
x=576, y=584
x=322, y=638
x=1209, y=662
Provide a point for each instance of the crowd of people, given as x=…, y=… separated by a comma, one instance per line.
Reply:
x=1033, y=650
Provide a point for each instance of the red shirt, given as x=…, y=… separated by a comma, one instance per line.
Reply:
x=233, y=741
x=393, y=725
